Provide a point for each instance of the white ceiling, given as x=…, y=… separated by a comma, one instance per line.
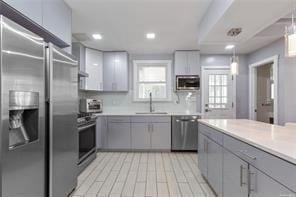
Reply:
x=179, y=24
x=124, y=23
x=258, y=20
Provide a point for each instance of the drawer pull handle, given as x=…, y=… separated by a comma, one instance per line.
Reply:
x=248, y=155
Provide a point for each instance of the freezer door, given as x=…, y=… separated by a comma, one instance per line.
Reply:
x=22, y=112
x=184, y=133
x=63, y=109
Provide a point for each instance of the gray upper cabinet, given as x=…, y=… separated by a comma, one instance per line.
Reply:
x=30, y=8
x=54, y=15
x=115, y=71
x=57, y=18
x=181, y=66
x=78, y=50
x=193, y=60
x=187, y=63
x=94, y=68
x=235, y=176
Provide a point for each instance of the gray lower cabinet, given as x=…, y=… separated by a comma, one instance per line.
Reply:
x=161, y=136
x=134, y=133
x=202, y=154
x=141, y=136
x=119, y=133
x=262, y=185
x=101, y=132
x=215, y=169
x=151, y=136
x=234, y=168
x=235, y=176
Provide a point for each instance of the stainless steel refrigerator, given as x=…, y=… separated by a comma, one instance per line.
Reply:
x=39, y=150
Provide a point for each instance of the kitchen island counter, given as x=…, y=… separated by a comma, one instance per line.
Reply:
x=274, y=139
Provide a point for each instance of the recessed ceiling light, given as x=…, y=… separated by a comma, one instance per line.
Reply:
x=95, y=64
x=229, y=47
x=150, y=36
x=97, y=36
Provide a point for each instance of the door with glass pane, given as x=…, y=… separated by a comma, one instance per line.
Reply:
x=218, y=93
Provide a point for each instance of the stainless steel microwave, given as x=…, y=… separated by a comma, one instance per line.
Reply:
x=90, y=106
x=187, y=82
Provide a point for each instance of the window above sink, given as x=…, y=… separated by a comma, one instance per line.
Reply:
x=152, y=76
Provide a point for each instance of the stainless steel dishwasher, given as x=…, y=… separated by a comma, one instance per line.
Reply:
x=185, y=133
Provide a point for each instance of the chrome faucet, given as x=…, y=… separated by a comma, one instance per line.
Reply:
x=150, y=102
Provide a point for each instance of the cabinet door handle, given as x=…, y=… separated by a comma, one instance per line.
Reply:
x=250, y=181
x=206, y=146
x=152, y=127
x=241, y=175
x=248, y=155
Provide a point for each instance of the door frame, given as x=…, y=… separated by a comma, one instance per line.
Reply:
x=203, y=69
x=253, y=83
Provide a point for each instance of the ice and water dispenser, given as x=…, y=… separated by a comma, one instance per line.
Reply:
x=23, y=118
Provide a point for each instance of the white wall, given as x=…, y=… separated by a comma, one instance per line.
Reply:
x=287, y=79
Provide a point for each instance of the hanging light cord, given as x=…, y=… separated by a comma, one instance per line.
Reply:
x=233, y=57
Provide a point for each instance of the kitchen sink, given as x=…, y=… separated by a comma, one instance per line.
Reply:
x=161, y=113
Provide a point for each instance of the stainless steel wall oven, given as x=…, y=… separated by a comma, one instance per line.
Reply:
x=86, y=139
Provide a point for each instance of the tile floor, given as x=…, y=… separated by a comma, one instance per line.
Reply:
x=142, y=174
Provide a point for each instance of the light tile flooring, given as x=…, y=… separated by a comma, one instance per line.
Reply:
x=142, y=174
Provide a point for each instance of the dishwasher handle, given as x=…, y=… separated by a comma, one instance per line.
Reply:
x=185, y=120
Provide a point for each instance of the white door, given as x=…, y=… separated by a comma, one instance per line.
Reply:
x=218, y=93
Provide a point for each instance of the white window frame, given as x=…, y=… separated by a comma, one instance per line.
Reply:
x=168, y=64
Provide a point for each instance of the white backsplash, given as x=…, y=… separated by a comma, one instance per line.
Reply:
x=123, y=102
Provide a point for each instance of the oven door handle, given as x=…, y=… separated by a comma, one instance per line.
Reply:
x=86, y=127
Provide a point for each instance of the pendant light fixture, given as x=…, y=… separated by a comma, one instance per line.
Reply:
x=234, y=63
x=290, y=38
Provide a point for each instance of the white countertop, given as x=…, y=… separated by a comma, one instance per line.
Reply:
x=277, y=140
x=152, y=114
